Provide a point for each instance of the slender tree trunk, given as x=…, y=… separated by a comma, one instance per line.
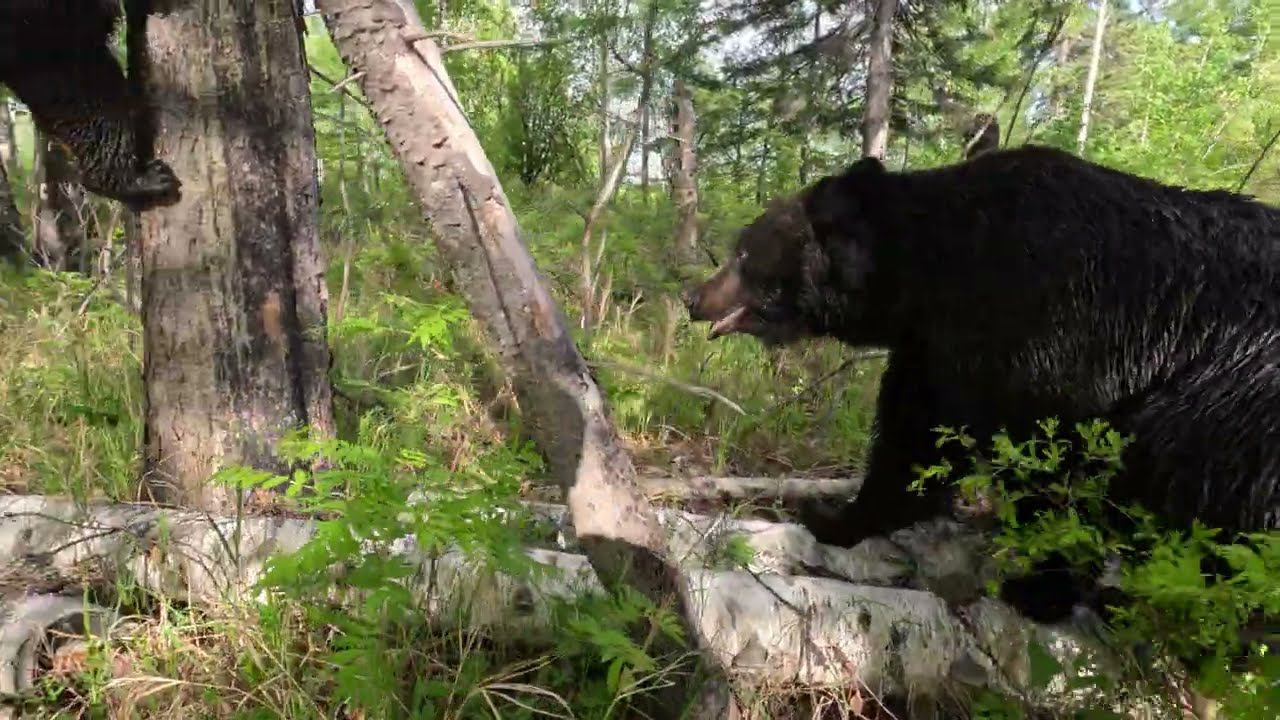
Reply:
x=402, y=74
x=684, y=183
x=13, y=240
x=646, y=94
x=605, y=94
x=8, y=138
x=59, y=226
x=1091, y=80
x=608, y=188
x=815, y=82
x=233, y=293
x=762, y=173
x=875, y=119
x=1057, y=93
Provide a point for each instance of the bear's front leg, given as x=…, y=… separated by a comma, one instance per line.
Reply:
x=83, y=101
x=904, y=438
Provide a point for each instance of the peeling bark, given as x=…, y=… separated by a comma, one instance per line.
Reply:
x=233, y=292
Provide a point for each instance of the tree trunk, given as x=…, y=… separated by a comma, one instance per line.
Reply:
x=404, y=78
x=59, y=222
x=608, y=188
x=646, y=95
x=8, y=138
x=605, y=92
x=684, y=184
x=233, y=293
x=875, y=119
x=1057, y=90
x=762, y=171
x=1095, y=57
x=13, y=240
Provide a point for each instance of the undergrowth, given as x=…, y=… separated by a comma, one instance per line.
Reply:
x=1172, y=611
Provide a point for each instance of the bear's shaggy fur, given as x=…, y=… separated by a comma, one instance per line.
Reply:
x=55, y=56
x=1025, y=284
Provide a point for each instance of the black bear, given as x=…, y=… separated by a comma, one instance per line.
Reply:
x=55, y=56
x=1024, y=284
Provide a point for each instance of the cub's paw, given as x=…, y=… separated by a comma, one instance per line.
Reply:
x=155, y=185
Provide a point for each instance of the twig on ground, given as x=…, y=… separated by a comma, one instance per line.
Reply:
x=687, y=387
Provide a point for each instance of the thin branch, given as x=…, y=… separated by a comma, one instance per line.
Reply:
x=122, y=253
x=813, y=388
x=1051, y=37
x=345, y=81
x=623, y=61
x=495, y=45
x=691, y=389
x=1258, y=162
x=342, y=85
x=463, y=41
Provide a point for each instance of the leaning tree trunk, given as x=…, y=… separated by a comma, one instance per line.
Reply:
x=684, y=184
x=59, y=221
x=875, y=119
x=1091, y=80
x=233, y=293
x=401, y=72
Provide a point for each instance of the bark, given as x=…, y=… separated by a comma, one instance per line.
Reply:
x=13, y=239
x=646, y=93
x=605, y=95
x=59, y=221
x=1091, y=80
x=477, y=233
x=875, y=120
x=727, y=490
x=1058, y=88
x=684, y=184
x=233, y=293
x=8, y=138
x=768, y=627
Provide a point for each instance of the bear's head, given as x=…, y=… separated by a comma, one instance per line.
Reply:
x=799, y=269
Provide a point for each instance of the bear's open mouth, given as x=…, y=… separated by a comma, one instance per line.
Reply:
x=729, y=324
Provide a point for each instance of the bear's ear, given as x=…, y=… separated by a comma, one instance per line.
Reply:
x=869, y=166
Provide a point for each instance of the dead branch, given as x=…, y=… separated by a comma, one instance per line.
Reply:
x=698, y=390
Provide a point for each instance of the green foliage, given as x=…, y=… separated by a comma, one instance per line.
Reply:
x=1176, y=611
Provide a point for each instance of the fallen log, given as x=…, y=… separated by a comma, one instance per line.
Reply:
x=748, y=489
x=763, y=627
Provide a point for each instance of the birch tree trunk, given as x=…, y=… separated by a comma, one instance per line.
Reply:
x=1091, y=80
x=875, y=120
x=684, y=185
x=233, y=294
x=8, y=139
x=402, y=75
